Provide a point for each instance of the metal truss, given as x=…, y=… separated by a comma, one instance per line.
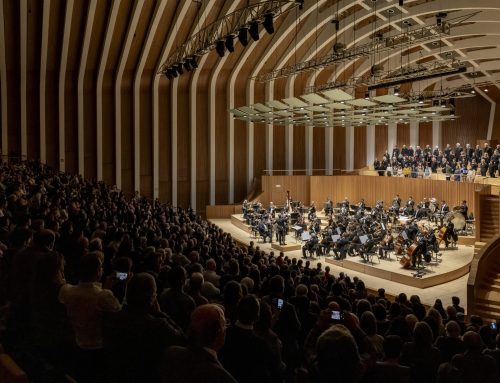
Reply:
x=378, y=45
x=204, y=41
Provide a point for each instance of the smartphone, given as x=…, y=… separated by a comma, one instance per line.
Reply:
x=493, y=326
x=337, y=316
x=121, y=276
x=279, y=303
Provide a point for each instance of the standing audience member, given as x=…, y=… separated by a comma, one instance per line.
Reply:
x=198, y=361
x=85, y=304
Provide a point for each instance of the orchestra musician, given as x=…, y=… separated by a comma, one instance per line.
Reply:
x=312, y=245
x=410, y=207
x=281, y=228
x=361, y=205
x=264, y=231
x=328, y=206
x=445, y=209
x=464, y=209
x=386, y=245
x=450, y=234
x=271, y=210
x=345, y=203
x=245, y=209
x=311, y=215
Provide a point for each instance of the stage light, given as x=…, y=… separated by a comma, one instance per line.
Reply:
x=230, y=43
x=367, y=95
x=174, y=71
x=401, y=3
x=179, y=68
x=220, y=48
x=396, y=91
x=193, y=62
x=243, y=36
x=187, y=65
x=169, y=74
x=268, y=23
x=254, y=30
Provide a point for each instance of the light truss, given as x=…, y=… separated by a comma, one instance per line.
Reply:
x=378, y=45
x=404, y=74
x=205, y=40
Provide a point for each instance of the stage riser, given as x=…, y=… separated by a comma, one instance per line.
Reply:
x=405, y=276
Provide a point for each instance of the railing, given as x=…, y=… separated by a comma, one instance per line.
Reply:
x=309, y=172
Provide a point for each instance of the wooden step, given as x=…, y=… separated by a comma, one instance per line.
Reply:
x=486, y=315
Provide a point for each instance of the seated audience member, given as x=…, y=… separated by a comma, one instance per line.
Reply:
x=195, y=285
x=451, y=344
x=198, y=361
x=456, y=304
x=85, y=304
x=174, y=301
x=210, y=274
x=137, y=336
x=495, y=352
x=472, y=364
x=246, y=356
x=420, y=355
x=337, y=357
x=388, y=370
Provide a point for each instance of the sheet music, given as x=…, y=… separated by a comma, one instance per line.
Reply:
x=363, y=239
x=335, y=238
x=306, y=236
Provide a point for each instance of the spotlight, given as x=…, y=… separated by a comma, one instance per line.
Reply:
x=169, y=74
x=401, y=3
x=339, y=47
x=301, y=4
x=367, y=95
x=193, y=62
x=187, y=66
x=179, y=68
x=174, y=71
x=229, y=43
x=396, y=91
x=243, y=36
x=268, y=23
x=337, y=24
x=220, y=48
x=254, y=30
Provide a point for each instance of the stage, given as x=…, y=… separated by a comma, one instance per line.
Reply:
x=440, y=280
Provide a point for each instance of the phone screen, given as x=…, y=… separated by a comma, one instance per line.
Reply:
x=493, y=326
x=336, y=315
x=279, y=303
x=121, y=276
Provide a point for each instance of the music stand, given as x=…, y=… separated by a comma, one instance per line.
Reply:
x=296, y=228
x=305, y=236
x=335, y=238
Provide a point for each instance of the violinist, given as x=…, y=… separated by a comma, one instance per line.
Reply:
x=450, y=234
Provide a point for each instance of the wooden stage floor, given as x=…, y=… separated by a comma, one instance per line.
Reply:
x=441, y=280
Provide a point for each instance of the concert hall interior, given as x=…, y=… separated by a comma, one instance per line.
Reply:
x=204, y=155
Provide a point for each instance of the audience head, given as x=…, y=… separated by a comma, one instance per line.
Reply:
x=90, y=267
x=248, y=310
x=141, y=291
x=207, y=327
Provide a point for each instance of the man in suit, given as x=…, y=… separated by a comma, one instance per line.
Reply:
x=198, y=362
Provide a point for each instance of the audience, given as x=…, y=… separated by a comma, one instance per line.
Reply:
x=82, y=265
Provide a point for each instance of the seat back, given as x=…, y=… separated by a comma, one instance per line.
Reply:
x=10, y=372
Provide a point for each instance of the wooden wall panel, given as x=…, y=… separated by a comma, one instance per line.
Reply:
x=279, y=161
x=240, y=163
x=259, y=156
x=12, y=58
x=403, y=136
x=221, y=144
x=165, y=142
x=339, y=148
x=203, y=145
x=34, y=44
x=360, y=147
x=183, y=142
x=381, y=132
x=425, y=134
x=299, y=144
x=472, y=125
x=372, y=189
x=319, y=149
x=275, y=188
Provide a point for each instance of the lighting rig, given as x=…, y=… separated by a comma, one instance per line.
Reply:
x=220, y=34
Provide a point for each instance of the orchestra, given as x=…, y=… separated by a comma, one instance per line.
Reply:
x=413, y=231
